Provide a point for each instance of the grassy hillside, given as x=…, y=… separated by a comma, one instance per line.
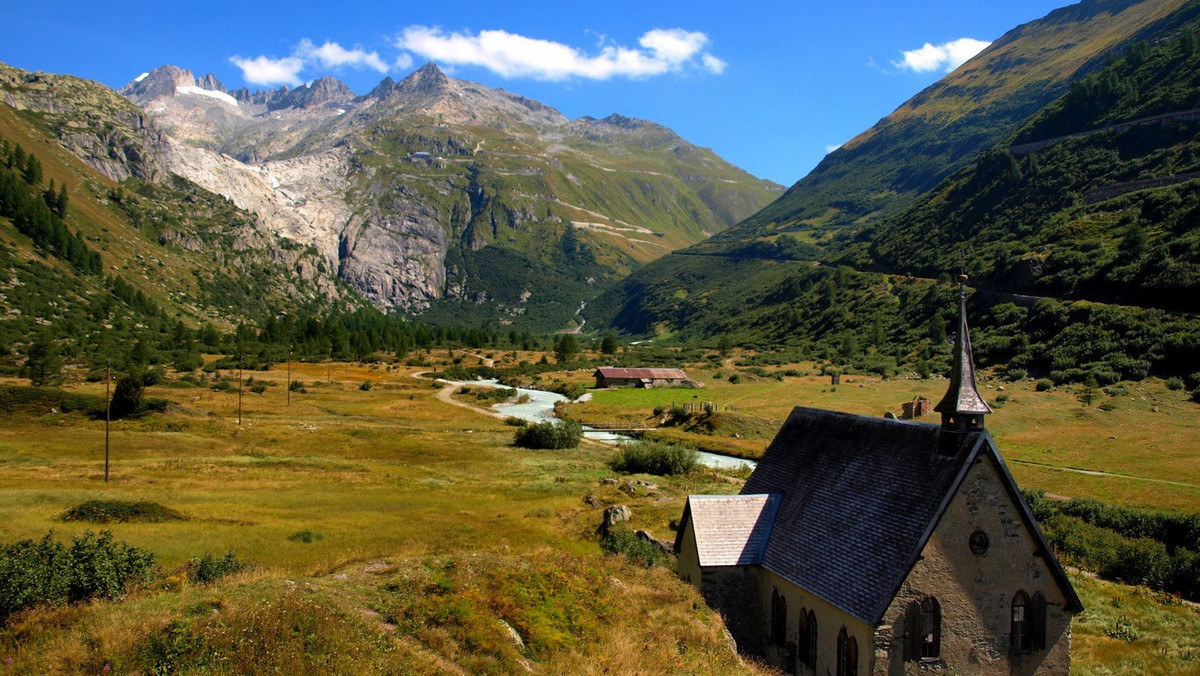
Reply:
x=1097, y=197
x=1078, y=233
x=158, y=255
x=882, y=170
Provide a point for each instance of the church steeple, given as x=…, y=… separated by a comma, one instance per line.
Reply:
x=963, y=407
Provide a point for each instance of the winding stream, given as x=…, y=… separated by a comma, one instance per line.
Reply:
x=540, y=408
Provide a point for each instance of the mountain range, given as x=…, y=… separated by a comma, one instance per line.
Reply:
x=430, y=196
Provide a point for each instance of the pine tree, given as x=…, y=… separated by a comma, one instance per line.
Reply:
x=42, y=363
x=32, y=171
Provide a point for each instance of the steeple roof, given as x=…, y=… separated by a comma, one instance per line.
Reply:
x=962, y=397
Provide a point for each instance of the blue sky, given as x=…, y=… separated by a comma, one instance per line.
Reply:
x=770, y=86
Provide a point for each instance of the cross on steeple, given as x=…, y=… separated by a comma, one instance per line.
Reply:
x=963, y=407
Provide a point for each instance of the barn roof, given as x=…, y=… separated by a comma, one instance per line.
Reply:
x=636, y=374
x=860, y=497
x=731, y=530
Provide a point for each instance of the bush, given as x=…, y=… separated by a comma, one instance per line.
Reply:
x=1175, y=383
x=306, y=536
x=1044, y=385
x=619, y=540
x=548, y=435
x=366, y=386
x=127, y=396
x=654, y=457
x=108, y=511
x=258, y=388
x=297, y=386
x=209, y=568
x=46, y=572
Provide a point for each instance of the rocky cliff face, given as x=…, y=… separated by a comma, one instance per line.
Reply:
x=422, y=192
x=109, y=133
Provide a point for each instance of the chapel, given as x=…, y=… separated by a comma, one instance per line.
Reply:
x=863, y=545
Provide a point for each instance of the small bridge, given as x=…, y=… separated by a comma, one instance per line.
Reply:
x=618, y=426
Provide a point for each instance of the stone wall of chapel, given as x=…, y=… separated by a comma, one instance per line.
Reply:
x=829, y=621
x=975, y=592
x=729, y=590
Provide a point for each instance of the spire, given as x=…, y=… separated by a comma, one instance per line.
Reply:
x=963, y=407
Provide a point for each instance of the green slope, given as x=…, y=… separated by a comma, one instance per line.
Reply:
x=879, y=172
x=167, y=254
x=1095, y=208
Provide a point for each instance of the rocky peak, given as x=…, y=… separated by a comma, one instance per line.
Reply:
x=427, y=79
x=321, y=91
x=211, y=83
x=618, y=120
x=159, y=83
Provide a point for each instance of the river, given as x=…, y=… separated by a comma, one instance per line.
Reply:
x=540, y=407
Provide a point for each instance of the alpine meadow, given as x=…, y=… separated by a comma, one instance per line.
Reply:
x=358, y=365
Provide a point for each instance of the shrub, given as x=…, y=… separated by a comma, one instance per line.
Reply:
x=1044, y=385
x=46, y=572
x=1014, y=374
x=548, y=435
x=258, y=388
x=654, y=457
x=620, y=540
x=127, y=396
x=209, y=568
x=108, y=511
x=306, y=536
x=366, y=386
x=512, y=421
x=1175, y=383
x=297, y=386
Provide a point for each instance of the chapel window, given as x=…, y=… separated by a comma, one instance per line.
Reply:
x=923, y=630
x=1020, y=638
x=808, y=643
x=778, y=618
x=847, y=658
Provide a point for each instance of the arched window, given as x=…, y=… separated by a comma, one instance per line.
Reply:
x=802, y=636
x=1037, y=622
x=847, y=657
x=778, y=618
x=1019, y=629
x=808, y=643
x=923, y=630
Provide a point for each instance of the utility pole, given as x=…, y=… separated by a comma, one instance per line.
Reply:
x=289, y=376
x=239, y=391
x=107, y=412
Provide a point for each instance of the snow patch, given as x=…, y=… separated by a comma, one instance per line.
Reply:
x=141, y=77
x=220, y=96
x=341, y=111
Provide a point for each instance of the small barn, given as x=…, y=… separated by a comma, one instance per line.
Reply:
x=613, y=376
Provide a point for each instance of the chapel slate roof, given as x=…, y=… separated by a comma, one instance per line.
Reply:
x=636, y=373
x=859, y=498
x=731, y=530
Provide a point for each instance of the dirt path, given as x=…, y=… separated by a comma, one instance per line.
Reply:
x=1101, y=473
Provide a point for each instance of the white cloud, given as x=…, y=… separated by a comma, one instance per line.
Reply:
x=510, y=55
x=267, y=71
x=333, y=55
x=829, y=149
x=946, y=56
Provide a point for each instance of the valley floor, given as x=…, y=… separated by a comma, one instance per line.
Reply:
x=393, y=532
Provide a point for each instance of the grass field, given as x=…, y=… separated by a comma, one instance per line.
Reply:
x=1147, y=445
x=444, y=549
